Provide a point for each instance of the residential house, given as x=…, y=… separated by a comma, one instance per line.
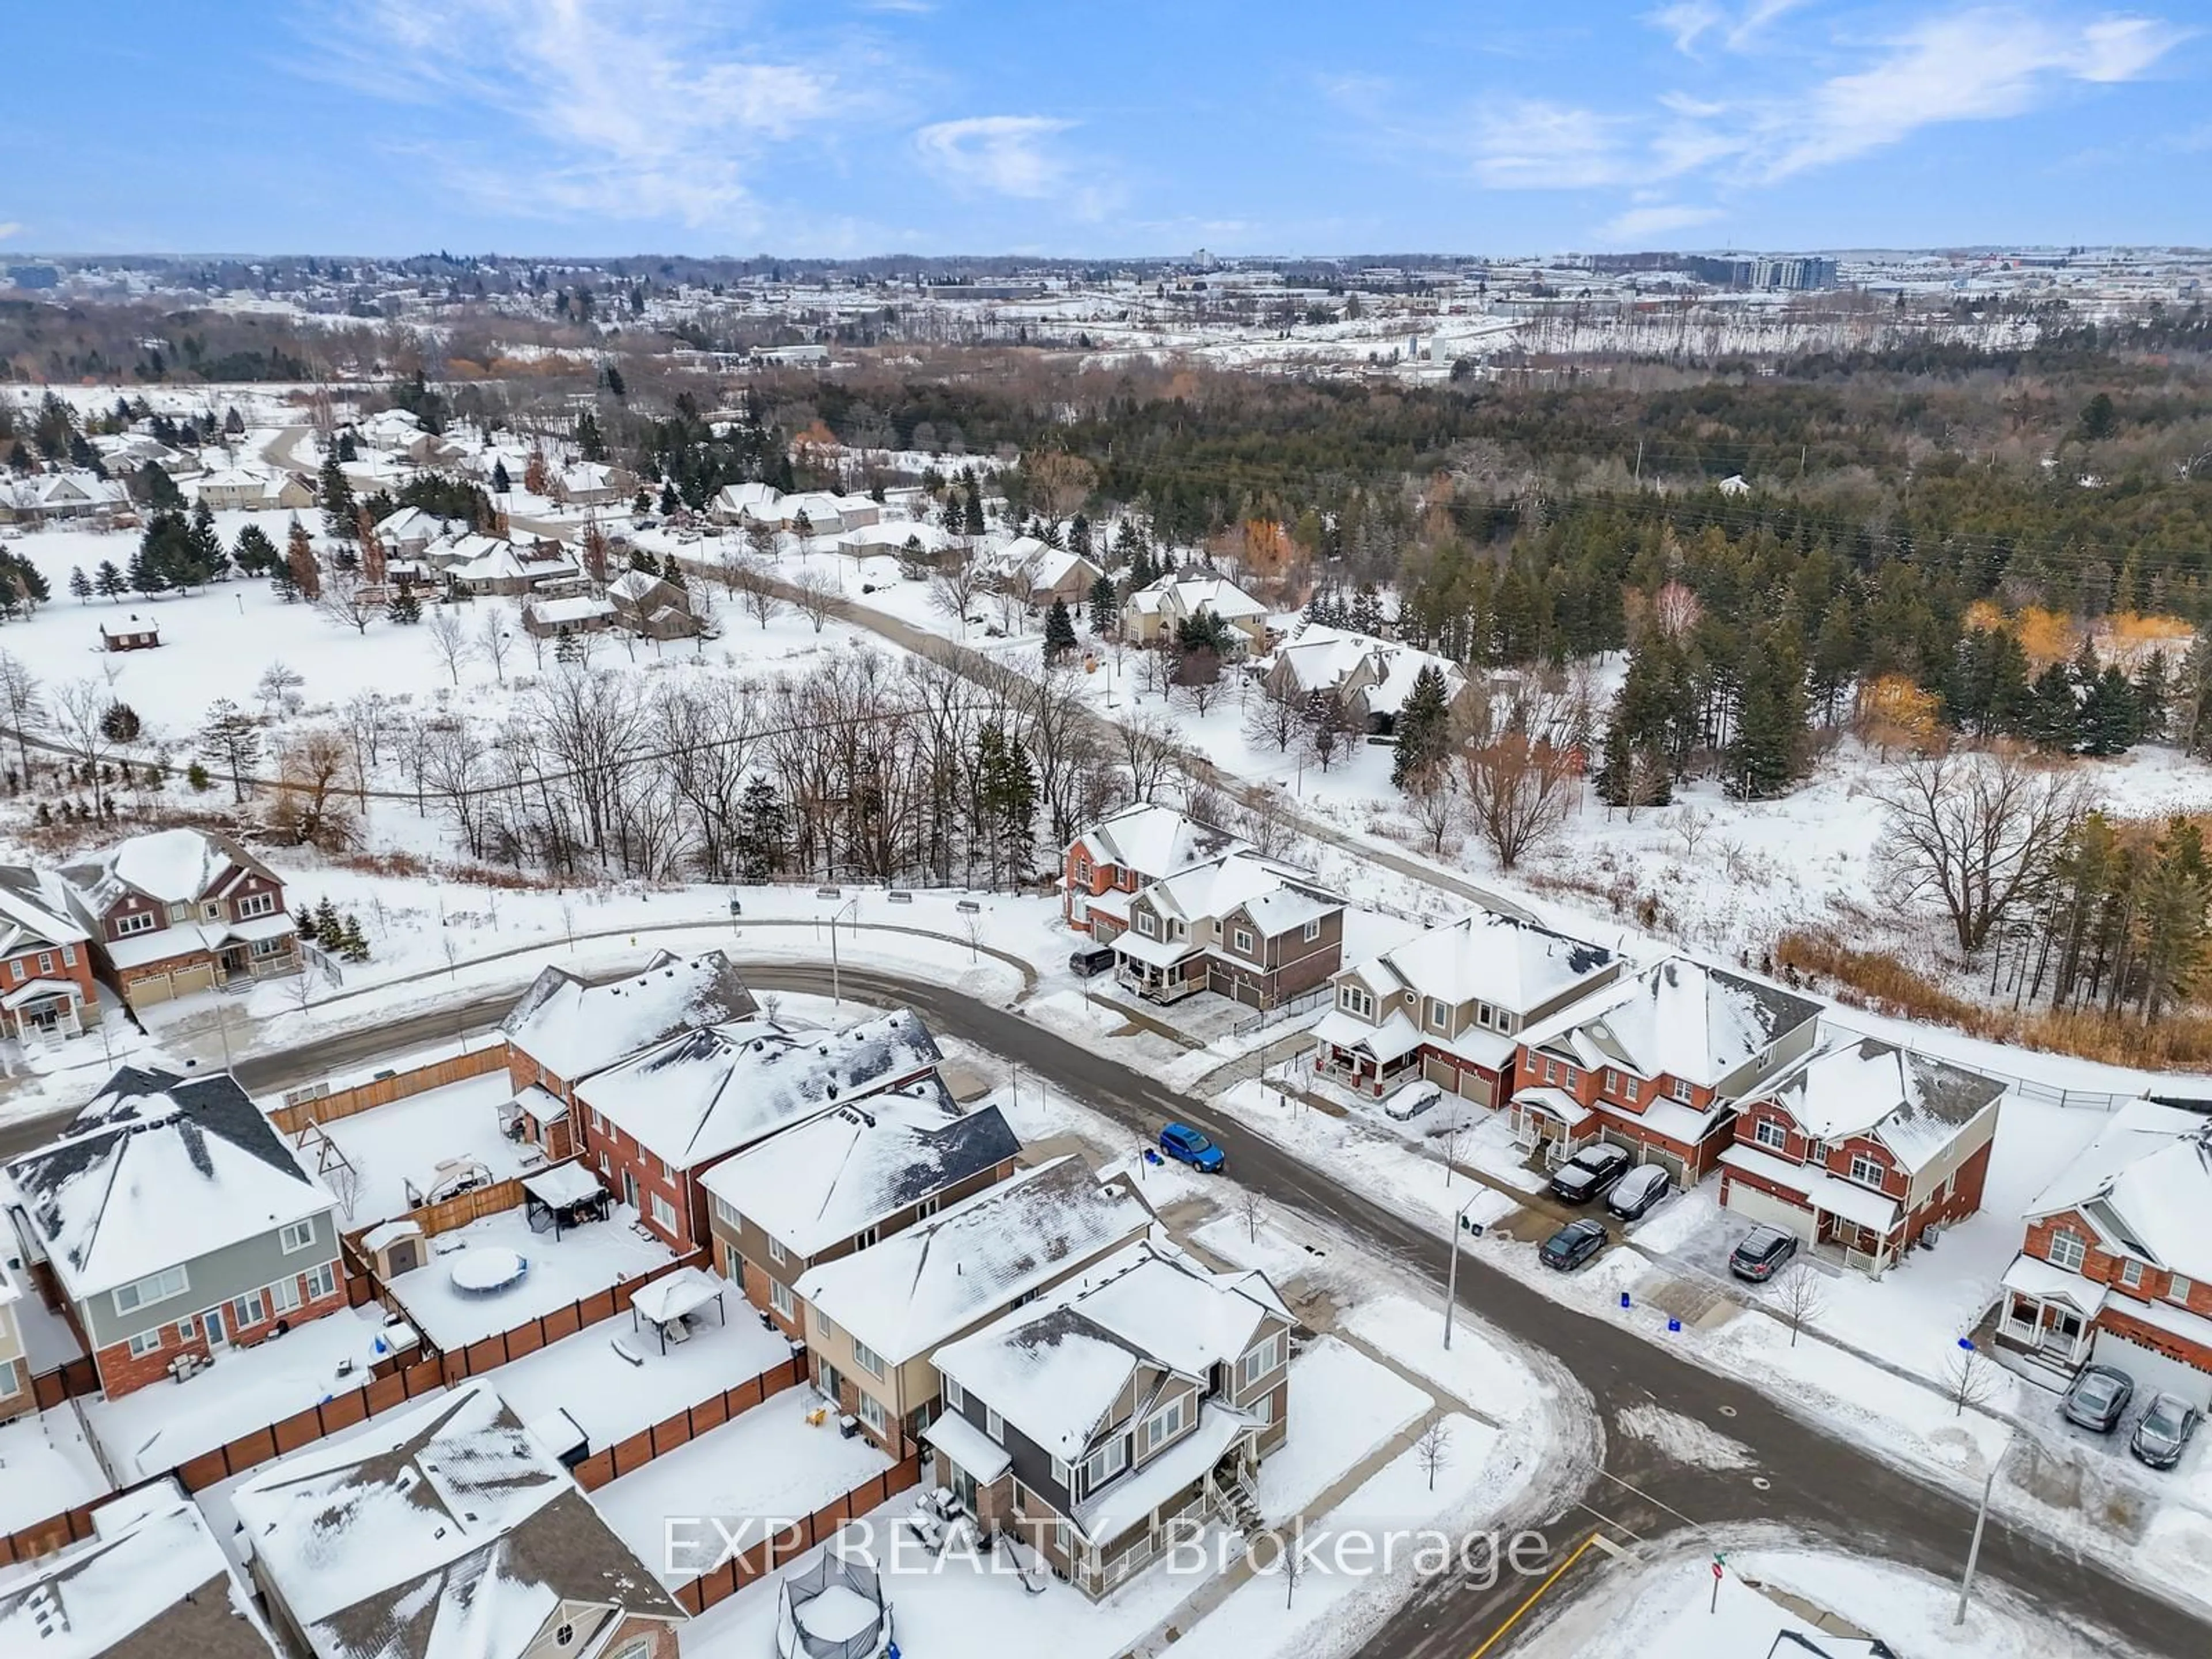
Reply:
x=238, y=489
x=1139, y=844
x=1244, y=926
x=890, y=537
x=508, y=569
x=548, y=618
x=565, y=1029
x=1657, y=1063
x=15, y=1394
x=52, y=497
x=844, y=1179
x=47, y=988
x=1140, y=1392
x=170, y=1222
x=875, y=1319
x=652, y=607
x=1861, y=1147
x=656, y=1123
x=1372, y=678
x=442, y=1529
x=150, y=1581
x=747, y=503
x=1449, y=1007
x=457, y=548
x=408, y=532
x=130, y=633
x=1036, y=573
x=1154, y=614
x=2116, y=1264
x=593, y=483
x=178, y=911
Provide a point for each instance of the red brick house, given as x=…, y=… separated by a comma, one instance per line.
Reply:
x=180, y=911
x=1142, y=844
x=1859, y=1148
x=2116, y=1264
x=47, y=988
x=1657, y=1064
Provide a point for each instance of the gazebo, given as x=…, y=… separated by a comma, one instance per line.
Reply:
x=566, y=1195
x=668, y=1301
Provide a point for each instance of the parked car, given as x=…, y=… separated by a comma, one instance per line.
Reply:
x=1186, y=1145
x=1639, y=1189
x=1763, y=1253
x=1588, y=1174
x=2163, y=1435
x=1572, y=1245
x=2098, y=1399
x=1091, y=960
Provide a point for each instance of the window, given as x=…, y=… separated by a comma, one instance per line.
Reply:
x=1439, y=1014
x=994, y=1426
x=1146, y=926
x=664, y=1214
x=2178, y=1289
x=824, y=1327
x=955, y=1396
x=1262, y=1410
x=144, y=1343
x=868, y=1358
x=19, y=970
x=1263, y=1358
x=1868, y=1171
x=779, y=1297
x=284, y=1295
x=1244, y=941
x=154, y=1287
x=2068, y=1250
x=323, y=1282
x=1178, y=929
x=1683, y=1091
x=1163, y=1425
x=1353, y=1000
x=11, y=1379
x=211, y=910
x=565, y=1635
x=297, y=1236
x=272, y=947
x=775, y=1253
x=69, y=956
x=1551, y=1069
x=725, y=1215
x=1573, y=1077
x=185, y=1328
x=1061, y=1475
x=1612, y=1081
x=2131, y=1273
x=1482, y=1015
x=247, y=1310
x=46, y=962
x=866, y=1237
x=1082, y=867
x=1312, y=932
x=1767, y=1133
x=180, y=912
x=138, y=921
x=257, y=904
x=872, y=1413
x=931, y=1206
x=599, y=1123
x=1105, y=1463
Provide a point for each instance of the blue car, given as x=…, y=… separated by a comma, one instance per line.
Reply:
x=1186, y=1145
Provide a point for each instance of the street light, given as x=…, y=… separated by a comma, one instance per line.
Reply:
x=1472, y=1230
x=837, y=994
x=1981, y=1518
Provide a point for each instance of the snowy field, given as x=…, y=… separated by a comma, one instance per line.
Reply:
x=585, y=1260
x=46, y=1465
x=1343, y=1407
x=394, y=1150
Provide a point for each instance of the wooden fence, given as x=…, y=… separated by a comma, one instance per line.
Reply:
x=459, y=1364
x=710, y=1588
x=77, y=1380
x=382, y=1091
x=625, y=1456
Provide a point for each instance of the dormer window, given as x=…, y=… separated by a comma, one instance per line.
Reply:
x=1146, y=924
x=1683, y=1090
x=180, y=912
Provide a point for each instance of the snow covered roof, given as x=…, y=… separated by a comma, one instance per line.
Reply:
x=1677, y=1019
x=1241, y=877
x=565, y=613
x=896, y=533
x=170, y=867
x=818, y=1184
x=573, y=1028
x=35, y=911
x=2145, y=1184
x=1319, y=658
x=443, y=1531
x=151, y=1581
x=1487, y=957
x=1154, y=841
x=930, y=1283
x=409, y=523
x=759, y=500
x=710, y=1091
x=1192, y=595
x=159, y=1169
x=1055, y=1368
x=1913, y=1105
x=506, y=562
x=563, y=1184
x=671, y=1296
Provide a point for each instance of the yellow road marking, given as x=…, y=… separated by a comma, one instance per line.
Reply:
x=1536, y=1595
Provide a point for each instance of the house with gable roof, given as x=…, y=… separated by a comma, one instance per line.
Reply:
x=170, y=1221
x=1142, y=844
x=179, y=911
x=1370, y=678
x=1657, y=1063
x=46, y=986
x=1249, y=927
x=1152, y=614
x=1861, y=1146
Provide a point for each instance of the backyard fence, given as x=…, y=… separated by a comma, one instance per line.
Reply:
x=302, y=1107
x=1288, y=1009
x=77, y=1380
x=748, y=1566
x=459, y=1364
x=625, y=1456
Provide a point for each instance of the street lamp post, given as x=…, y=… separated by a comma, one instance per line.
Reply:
x=1981, y=1519
x=1473, y=1229
x=836, y=990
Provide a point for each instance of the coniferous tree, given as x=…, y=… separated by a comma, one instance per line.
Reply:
x=1058, y=631
x=1423, y=729
x=328, y=928
x=2108, y=715
x=1765, y=755
x=159, y=488
x=255, y=554
x=79, y=585
x=404, y=608
x=2053, y=717
x=340, y=512
x=353, y=944
x=305, y=576
x=2152, y=690
x=763, y=832
x=109, y=582
x=502, y=485
x=1102, y=606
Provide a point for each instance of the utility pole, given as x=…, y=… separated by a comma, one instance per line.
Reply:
x=1974, y=1549
x=836, y=993
x=1459, y=1225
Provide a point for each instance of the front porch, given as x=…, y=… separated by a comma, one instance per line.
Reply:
x=2047, y=1317
x=1368, y=1059
x=44, y=1010
x=1552, y=1126
x=1156, y=970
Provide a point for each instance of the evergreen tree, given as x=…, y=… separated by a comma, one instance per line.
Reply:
x=501, y=484
x=305, y=574
x=303, y=924
x=1058, y=631
x=146, y=576
x=1102, y=606
x=208, y=556
x=353, y=945
x=109, y=582
x=255, y=555
x=2108, y=715
x=159, y=488
x=79, y=585
x=403, y=608
x=2053, y=717
x=2169, y=933
x=567, y=648
x=1766, y=753
x=328, y=928
x=671, y=502
x=347, y=450
x=340, y=513
x=1423, y=728
x=2152, y=690
x=763, y=832
x=972, y=520
x=120, y=723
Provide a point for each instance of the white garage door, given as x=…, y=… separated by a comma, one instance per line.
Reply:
x=1748, y=1201
x=2154, y=1372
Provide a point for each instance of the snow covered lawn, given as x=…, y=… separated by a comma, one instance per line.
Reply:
x=1475, y=1368
x=401, y=1145
x=1344, y=1407
x=46, y=1465
x=586, y=1260
x=165, y=1424
x=611, y=1398
x=770, y=1465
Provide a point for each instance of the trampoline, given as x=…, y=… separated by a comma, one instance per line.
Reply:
x=834, y=1609
x=488, y=1272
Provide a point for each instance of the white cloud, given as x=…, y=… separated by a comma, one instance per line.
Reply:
x=10, y=227
x=1689, y=22
x=1534, y=145
x=1642, y=223
x=1006, y=155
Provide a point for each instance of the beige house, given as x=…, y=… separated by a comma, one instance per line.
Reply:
x=14, y=1360
x=1370, y=678
x=874, y=1319
x=1151, y=614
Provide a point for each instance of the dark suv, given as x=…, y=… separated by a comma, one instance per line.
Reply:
x=1589, y=1174
x=1764, y=1252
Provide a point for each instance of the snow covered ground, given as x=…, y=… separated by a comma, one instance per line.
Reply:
x=584, y=1260
x=46, y=1465
x=1343, y=1406
x=394, y=1150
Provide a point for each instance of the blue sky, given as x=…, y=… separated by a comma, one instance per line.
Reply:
x=850, y=127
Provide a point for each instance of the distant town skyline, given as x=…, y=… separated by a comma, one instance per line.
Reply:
x=865, y=127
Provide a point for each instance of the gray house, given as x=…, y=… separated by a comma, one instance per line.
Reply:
x=170, y=1223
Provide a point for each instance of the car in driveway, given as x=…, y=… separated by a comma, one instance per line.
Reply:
x=1641, y=1188
x=1588, y=1174
x=1572, y=1245
x=1186, y=1145
x=1762, y=1253
x=1090, y=960
x=2098, y=1399
x=2163, y=1435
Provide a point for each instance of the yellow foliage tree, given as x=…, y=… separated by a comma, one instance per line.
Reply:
x=1893, y=713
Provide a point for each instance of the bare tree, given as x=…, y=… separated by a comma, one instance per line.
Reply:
x=1433, y=801
x=1433, y=1449
x=1976, y=833
x=23, y=703
x=1800, y=1295
x=82, y=728
x=278, y=688
x=311, y=774
x=1972, y=1378
x=1149, y=746
x=1690, y=825
x=1517, y=790
x=952, y=589
x=1274, y=716
x=816, y=594
x=758, y=594
x=760, y=539
x=449, y=641
x=350, y=598
x=495, y=640
x=1250, y=1207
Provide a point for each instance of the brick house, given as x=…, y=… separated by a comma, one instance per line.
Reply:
x=1140, y=1392
x=1657, y=1063
x=1103, y=867
x=875, y=1319
x=843, y=1179
x=2116, y=1263
x=47, y=988
x=170, y=1222
x=453, y=1511
x=565, y=1029
x=655, y=1125
x=132, y=633
x=1241, y=925
x=1447, y=1006
x=1859, y=1148
x=15, y=1397
x=652, y=607
x=180, y=911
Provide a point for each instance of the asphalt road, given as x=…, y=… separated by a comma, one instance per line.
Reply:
x=1816, y=1483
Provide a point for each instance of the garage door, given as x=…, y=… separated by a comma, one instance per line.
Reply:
x=1748, y=1201
x=2154, y=1372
